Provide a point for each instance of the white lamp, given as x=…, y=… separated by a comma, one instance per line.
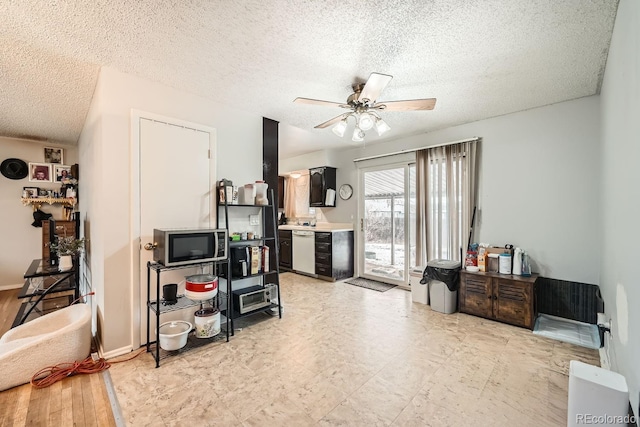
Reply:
x=382, y=126
x=358, y=135
x=365, y=121
x=340, y=128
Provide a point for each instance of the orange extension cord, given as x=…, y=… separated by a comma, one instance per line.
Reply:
x=53, y=374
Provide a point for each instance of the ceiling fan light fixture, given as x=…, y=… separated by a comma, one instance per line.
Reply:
x=382, y=127
x=365, y=121
x=340, y=128
x=358, y=135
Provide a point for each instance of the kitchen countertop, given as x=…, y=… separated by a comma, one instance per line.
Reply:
x=321, y=226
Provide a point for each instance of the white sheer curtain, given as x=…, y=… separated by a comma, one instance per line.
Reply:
x=296, y=197
x=445, y=197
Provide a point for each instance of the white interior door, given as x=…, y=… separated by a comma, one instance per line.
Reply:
x=176, y=190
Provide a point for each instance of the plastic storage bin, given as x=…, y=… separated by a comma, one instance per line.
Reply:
x=443, y=277
x=419, y=291
x=596, y=396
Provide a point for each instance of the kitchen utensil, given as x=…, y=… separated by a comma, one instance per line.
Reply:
x=199, y=287
x=207, y=322
x=169, y=293
x=174, y=334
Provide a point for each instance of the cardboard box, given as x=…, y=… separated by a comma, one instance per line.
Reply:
x=255, y=259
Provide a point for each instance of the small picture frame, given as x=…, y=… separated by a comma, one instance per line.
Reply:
x=40, y=172
x=61, y=173
x=53, y=155
x=29, y=192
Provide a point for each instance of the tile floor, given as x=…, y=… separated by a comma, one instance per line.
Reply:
x=344, y=355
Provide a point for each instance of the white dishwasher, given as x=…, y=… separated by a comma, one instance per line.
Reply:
x=303, y=250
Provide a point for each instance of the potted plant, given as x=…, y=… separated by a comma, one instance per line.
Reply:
x=67, y=248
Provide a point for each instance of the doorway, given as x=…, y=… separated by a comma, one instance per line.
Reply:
x=174, y=162
x=387, y=203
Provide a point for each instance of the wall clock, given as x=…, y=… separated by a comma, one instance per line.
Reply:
x=346, y=191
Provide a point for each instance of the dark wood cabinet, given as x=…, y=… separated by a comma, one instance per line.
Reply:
x=284, y=240
x=320, y=180
x=506, y=298
x=62, y=229
x=334, y=255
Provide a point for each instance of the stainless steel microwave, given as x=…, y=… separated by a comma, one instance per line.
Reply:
x=189, y=246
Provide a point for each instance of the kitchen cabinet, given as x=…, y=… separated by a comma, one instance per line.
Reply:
x=321, y=180
x=502, y=297
x=334, y=255
x=284, y=240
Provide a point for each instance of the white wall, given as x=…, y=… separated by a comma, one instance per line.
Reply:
x=109, y=207
x=23, y=242
x=620, y=194
x=538, y=183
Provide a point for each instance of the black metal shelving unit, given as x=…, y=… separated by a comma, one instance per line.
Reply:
x=268, y=213
x=221, y=301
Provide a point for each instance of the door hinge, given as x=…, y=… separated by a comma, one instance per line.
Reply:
x=208, y=154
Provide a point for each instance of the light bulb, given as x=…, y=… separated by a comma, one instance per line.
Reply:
x=365, y=121
x=358, y=135
x=340, y=128
x=382, y=126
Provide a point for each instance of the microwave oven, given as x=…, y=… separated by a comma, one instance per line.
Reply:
x=174, y=247
x=254, y=298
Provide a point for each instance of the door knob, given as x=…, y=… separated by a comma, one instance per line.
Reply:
x=151, y=246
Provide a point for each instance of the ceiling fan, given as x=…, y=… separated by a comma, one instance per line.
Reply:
x=364, y=106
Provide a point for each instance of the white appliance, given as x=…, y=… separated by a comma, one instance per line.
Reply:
x=303, y=251
x=596, y=396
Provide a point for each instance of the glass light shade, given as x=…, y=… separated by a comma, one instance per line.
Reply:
x=295, y=175
x=365, y=121
x=340, y=128
x=358, y=135
x=382, y=127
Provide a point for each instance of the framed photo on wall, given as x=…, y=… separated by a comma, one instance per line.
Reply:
x=40, y=172
x=53, y=155
x=30, y=192
x=61, y=172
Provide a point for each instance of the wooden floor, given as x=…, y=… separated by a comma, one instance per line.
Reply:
x=80, y=400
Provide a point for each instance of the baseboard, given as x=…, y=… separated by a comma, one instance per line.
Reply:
x=114, y=353
x=10, y=287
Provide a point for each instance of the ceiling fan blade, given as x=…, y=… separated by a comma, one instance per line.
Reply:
x=332, y=121
x=408, y=105
x=374, y=86
x=319, y=102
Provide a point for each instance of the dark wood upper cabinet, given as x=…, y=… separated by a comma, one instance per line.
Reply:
x=321, y=180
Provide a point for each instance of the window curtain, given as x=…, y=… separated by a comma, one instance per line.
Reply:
x=446, y=191
x=296, y=197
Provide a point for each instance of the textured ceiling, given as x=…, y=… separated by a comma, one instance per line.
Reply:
x=479, y=58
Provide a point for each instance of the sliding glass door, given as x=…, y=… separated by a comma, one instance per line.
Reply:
x=386, y=204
